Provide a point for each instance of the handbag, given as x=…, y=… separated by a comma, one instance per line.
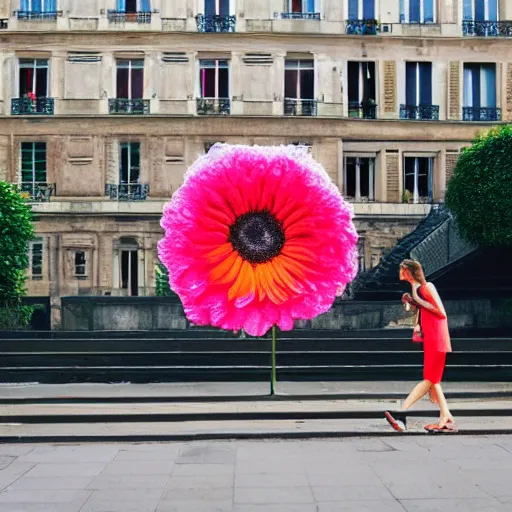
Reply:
x=417, y=336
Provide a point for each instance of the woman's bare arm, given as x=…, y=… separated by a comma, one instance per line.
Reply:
x=437, y=306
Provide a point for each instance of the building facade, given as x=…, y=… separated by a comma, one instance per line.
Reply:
x=105, y=103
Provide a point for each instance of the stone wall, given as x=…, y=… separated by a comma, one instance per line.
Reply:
x=144, y=313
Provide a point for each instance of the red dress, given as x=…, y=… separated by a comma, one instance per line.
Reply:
x=436, y=339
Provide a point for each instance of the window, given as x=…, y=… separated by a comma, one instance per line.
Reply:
x=214, y=79
x=133, y=6
x=38, y=6
x=359, y=182
x=417, y=11
x=418, y=179
x=361, y=9
x=216, y=7
x=480, y=10
x=80, y=265
x=418, y=78
x=130, y=79
x=33, y=167
x=33, y=81
x=361, y=90
x=299, y=79
x=35, y=259
x=480, y=92
x=301, y=6
x=129, y=171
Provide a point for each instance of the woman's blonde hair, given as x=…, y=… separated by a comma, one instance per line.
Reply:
x=415, y=268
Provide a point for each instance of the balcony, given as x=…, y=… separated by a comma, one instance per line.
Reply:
x=299, y=107
x=420, y=112
x=38, y=16
x=38, y=191
x=120, y=17
x=123, y=106
x=362, y=110
x=127, y=191
x=38, y=106
x=487, y=28
x=213, y=106
x=4, y=24
x=361, y=27
x=215, y=23
x=481, y=114
x=300, y=16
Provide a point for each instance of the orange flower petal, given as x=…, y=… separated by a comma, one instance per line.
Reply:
x=224, y=267
x=259, y=278
x=290, y=281
x=219, y=253
x=233, y=272
x=244, y=284
x=272, y=289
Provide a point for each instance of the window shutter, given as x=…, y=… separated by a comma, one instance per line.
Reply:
x=393, y=191
x=454, y=90
x=390, y=86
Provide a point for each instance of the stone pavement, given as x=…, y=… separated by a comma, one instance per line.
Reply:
x=395, y=474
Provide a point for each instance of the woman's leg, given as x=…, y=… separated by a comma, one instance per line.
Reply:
x=418, y=392
x=446, y=415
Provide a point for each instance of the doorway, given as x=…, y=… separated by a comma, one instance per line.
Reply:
x=129, y=267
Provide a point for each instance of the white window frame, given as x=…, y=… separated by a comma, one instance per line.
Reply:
x=310, y=66
x=415, y=194
x=371, y=188
x=486, y=7
x=85, y=265
x=217, y=67
x=39, y=241
x=304, y=6
x=129, y=170
x=36, y=64
x=422, y=11
x=360, y=9
x=130, y=67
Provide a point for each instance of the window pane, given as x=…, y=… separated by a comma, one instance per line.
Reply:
x=290, y=83
x=210, y=7
x=350, y=177
x=26, y=80
x=488, y=83
x=353, y=9
x=137, y=83
x=80, y=263
x=41, y=82
x=122, y=82
x=27, y=162
x=131, y=5
x=353, y=82
x=368, y=80
x=428, y=11
x=425, y=83
x=480, y=10
x=409, y=174
x=369, y=9
x=493, y=10
x=36, y=6
x=135, y=162
x=467, y=13
x=224, y=7
x=424, y=177
x=296, y=5
x=208, y=83
x=36, y=258
x=310, y=5
x=123, y=171
x=223, y=83
x=410, y=83
x=364, y=173
x=307, y=84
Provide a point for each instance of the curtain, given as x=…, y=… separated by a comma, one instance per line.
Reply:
x=121, y=5
x=353, y=9
x=425, y=83
x=428, y=11
x=145, y=5
x=36, y=6
x=493, y=10
x=468, y=86
x=50, y=6
x=24, y=5
x=488, y=86
x=480, y=10
x=414, y=11
x=310, y=6
x=224, y=8
x=467, y=10
x=210, y=9
x=369, y=9
x=410, y=83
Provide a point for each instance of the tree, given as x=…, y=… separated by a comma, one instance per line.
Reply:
x=480, y=191
x=16, y=231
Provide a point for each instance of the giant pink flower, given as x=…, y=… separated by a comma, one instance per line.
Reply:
x=256, y=237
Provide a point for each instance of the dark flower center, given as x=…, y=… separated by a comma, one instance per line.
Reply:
x=257, y=236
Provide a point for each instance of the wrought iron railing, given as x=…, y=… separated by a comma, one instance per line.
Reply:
x=41, y=16
x=420, y=112
x=213, y=106
x=362, y=110
x=300, y=15
x=487, y=28
x=127, y=191
x=299, y=107
x=215, y=23
x=28, y=106
x=362, y=27
x=130, y=17
x=128, y=107
x=38, y=191
x=481, y=114
x=4, y=24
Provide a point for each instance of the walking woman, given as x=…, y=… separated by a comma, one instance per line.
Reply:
x=431, y=328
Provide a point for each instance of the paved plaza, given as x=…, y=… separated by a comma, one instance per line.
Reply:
x=394, y=474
